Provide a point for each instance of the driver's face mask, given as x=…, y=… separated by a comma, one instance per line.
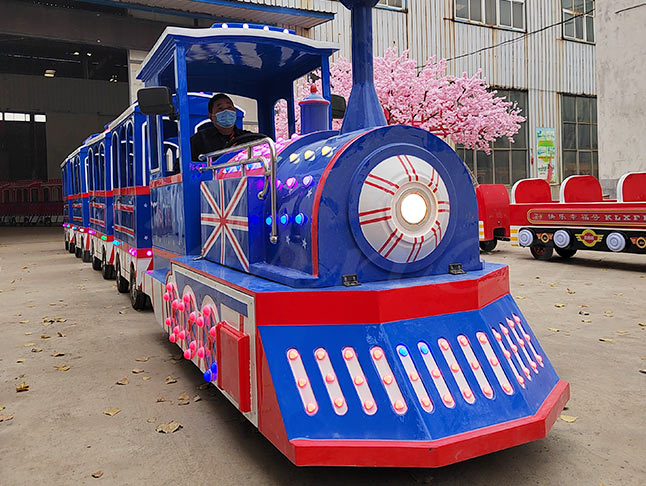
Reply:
x=226, y=118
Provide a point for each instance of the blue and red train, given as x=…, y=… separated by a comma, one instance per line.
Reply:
x=333, y=292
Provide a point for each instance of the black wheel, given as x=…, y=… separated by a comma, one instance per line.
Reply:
x=122, y=283
x=488, y=246
x=67, y=245
x=541, y=252
x=96, y=264
x=106, y=270
x=137, y=297
x=72, y=248
x=78, y=252
x=48, y=221
x=87, y=257
x=565, y=253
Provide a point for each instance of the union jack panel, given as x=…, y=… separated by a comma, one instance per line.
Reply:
x=224, y=222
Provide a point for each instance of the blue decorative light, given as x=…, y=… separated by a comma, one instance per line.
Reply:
x=284, y=219
x=300, y=218
x=207, y=375
x=214, y=370
x=403, y=351
x=423, y=348
x=268, y=221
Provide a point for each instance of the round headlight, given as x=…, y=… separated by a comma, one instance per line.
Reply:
x=413, y=208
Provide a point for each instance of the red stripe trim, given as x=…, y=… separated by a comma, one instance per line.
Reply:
x=366, y=213
x=101, y=193
x=379, y=187
x=169, y=255
x=97, y=205
x=374, y=220
x=123, y=229
x=410, y=177
x=384, y=180
x=317, y=202
x=412, y=167
x=394, y=245
x=387, y=241
x=432, y=453
x=166, y=181
x=124, y=207
x=340, y=307
x=209, y=276
x=97, y=221
x=132, y=191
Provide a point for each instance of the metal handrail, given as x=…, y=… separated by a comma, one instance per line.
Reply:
x=270, y=172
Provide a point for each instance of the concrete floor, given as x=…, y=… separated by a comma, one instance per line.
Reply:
x=60, y=435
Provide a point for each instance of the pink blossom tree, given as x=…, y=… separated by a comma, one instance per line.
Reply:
x=461, y=108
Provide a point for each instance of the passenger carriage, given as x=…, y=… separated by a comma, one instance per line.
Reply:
x=335, y=295
x=75, y=171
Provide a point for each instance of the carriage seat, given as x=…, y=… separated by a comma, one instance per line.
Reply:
x=581, y=188
x=531, y=191
x=632, y=187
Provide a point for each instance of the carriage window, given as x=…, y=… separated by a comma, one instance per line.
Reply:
x=5, y=196
x=56, y=194
x=170, y=130
x=151, y=141
x=46, y=195
x=114, y=148
x=130, y=154
x=123, y=155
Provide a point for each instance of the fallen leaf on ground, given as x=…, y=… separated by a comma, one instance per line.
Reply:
x=58, y=355
x=568, y=418
x=204, y=386
x=107, y=307
x=559, y=305
x=36, y=350
x=552, y=284
x=584, y=305
x=28, y=333
x=27, y=345
x=642, y=324
x=177, y=356
x=145, y=378
x=608, y=314
x=520, y=297
x=44, y=336
x=619, y=294
x=97, y=474
x=136, y=371
x=584, y=313
x=2, y=408
x=112, y=412
x=183, y=396
x=22, y=387
x=143, y=358
x=169, y=428
x=170, y=379
x=61, y=334
x=183, y=402
x=160, y=399
x=174, y=361
x=197, y=398
x=62, y=368
x=151, y=420
x=123, y=381
x=5, y=418
x=24, y=322
x=570, y=291
x=622, y=332
x=587, y=321
x=19, y=360
x=606, y=340
x=642, y=371
x=553, y=329
x=60, y=319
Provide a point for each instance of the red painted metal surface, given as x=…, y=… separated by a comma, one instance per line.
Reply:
x=493, y=209
x=234, y=375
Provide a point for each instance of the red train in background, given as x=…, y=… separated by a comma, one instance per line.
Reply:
x=31, y=202
x=581, y=219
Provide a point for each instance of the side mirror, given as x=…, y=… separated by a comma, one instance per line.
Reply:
x=157, y=100
x=338, y=106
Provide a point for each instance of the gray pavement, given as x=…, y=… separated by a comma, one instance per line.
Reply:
x=60, y=435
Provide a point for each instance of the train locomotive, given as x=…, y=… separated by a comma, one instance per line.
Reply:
x=333, y=292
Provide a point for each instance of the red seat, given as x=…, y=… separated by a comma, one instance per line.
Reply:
x=581, y=188
x=531, y=191
x=632, y=187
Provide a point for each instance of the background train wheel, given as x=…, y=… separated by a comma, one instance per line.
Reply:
x=488, y=245
x=106, y=270
x=96, y=264
x=122, y=283
x=565, y=253
x=78, y=252
x=67, y=245
x=87, y=256
x=541, y=252
x=137, y=297
x=72, y=248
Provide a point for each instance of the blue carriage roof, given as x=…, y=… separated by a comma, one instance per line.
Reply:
x=235, y=58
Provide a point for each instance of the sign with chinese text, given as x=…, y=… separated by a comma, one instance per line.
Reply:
x=546, y=154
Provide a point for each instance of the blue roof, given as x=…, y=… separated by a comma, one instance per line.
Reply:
x=235, y=58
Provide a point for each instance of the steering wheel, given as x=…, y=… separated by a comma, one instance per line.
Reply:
x=244, y=138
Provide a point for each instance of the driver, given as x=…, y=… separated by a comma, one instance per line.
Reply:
x=222, y=113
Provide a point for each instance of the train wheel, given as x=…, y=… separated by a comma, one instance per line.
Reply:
x=488, y=246
x=78, y=252
x=122, y=283
x=72, y=248
x=565, y=253
x=67, y=245
x=137, y=297
x=106, y=270
x=87, y=256
x=541, y=252
x=96, y=264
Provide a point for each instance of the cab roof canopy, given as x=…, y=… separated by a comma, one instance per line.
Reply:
x=257, y=62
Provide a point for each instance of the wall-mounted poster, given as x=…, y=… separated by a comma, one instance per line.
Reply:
x=546, y=154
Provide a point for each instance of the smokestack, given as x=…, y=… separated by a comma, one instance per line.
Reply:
x=364, y=110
